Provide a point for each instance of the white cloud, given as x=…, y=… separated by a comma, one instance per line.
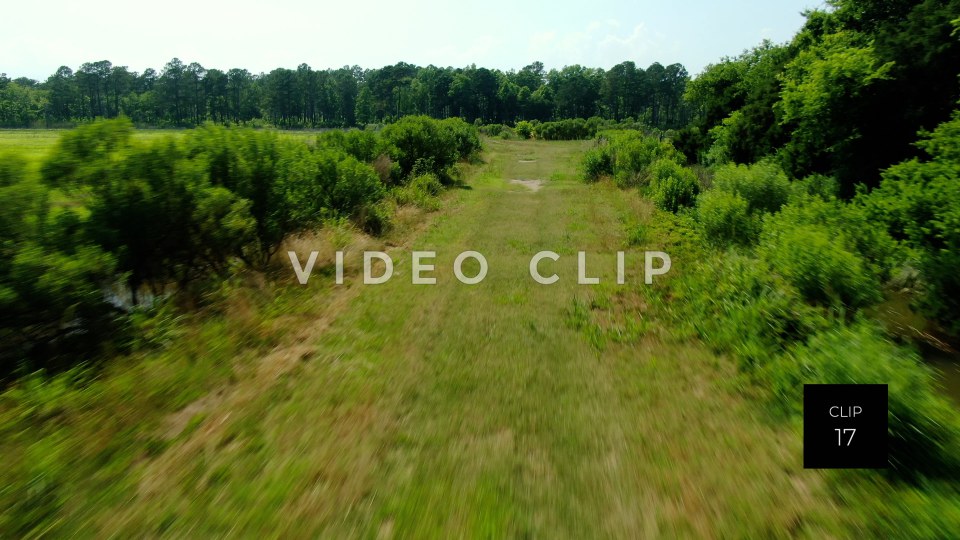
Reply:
x=600, y=44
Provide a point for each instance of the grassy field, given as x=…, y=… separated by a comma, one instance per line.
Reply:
x=503, y=409
x=35, y=144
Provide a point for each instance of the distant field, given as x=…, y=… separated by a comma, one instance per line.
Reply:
x=34, y=144
x=31, y=143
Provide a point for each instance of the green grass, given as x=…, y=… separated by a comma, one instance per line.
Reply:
x=36, y=144
x=503, y=409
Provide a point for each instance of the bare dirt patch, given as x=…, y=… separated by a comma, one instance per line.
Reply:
x=532, y=185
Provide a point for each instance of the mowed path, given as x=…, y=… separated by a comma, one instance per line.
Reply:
x=454, y=411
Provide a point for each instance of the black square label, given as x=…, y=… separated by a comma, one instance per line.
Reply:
x=844, y=426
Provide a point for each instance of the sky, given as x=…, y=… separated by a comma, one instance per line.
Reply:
x=38, y=37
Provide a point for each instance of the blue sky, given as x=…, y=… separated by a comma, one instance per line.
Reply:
x=38, y=37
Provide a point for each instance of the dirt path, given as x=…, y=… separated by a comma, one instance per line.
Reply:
x=485, y=411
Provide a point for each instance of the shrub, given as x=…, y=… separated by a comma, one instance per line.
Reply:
x=82, y=155
x=862, y=234
x=672, y=186
x=415, y=138
x=496, y=130
x=13, y=168
x=52, y=277
x=763, y=185
x=633, y=155
x=250, y=164
x=524, y=129
x=422, y=191
x=919, y=202
x=466, y=139
x=362, y=145
x=357, y=187
x=421, y=139
x=818, y=261
x=597, y=162
x=725, y=219
x=738, y=305
x=816, y=185
x=565, y=130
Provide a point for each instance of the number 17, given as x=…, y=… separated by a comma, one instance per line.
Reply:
x=841, y=433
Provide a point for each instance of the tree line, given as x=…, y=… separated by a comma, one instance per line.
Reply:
x=183, y=95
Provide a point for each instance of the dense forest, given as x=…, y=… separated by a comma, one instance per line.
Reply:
x=189, y=94
x=846, y=97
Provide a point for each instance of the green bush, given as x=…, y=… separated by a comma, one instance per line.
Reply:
x=524, y=129
x=763, y=185
x=82, y=156
x=852, y=222
x=817, y=185
x=421, y=139
x=725, y=219
x=924, y=432
x=672, y=186
x=597, y=162
x=422, y=191
x=738, y=305
x=570, y=129
x=918, y=202
x=819, y=261
x=466, y=139
x=159, y=214
x=633, y=155
x=54, y=309
x=362, y=145
x=497, y=130
x=13, y=168
x=356, y=190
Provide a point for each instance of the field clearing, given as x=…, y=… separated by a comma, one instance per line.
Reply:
x=35, y=144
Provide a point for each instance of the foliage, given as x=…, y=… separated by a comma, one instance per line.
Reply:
x=497, y=130
x=422, y=191
x=725, y=219
x=845, y=98
x=596, y=163
x=818, y=185
x=735, y=100
x=822, y=263
x=188, y=94
x=924, y=434
x=565, y=130
x=919, y=202
x=763, y=185
x=363, y=145
x=428, y=145
x=165, y=213
x=634, y=155
x=627, y=155
x=822, y=85
x=466, y=139
x=51, y=281
x=672, y=186
x=524, y=129
x=739, y=305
